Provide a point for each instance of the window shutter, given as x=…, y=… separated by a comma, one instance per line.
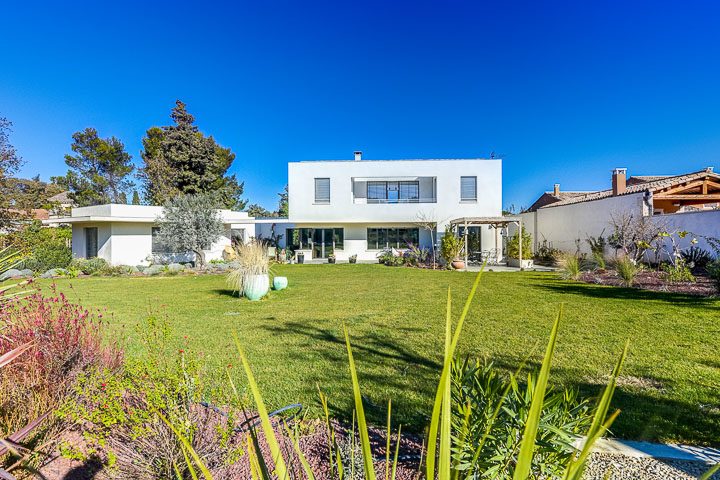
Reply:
x=322, y=190
x=468, y=188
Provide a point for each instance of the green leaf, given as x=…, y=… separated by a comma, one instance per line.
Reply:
x=527, y=446
x=278, y=460
x=362, y=425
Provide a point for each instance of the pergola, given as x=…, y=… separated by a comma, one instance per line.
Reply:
x=495, y=222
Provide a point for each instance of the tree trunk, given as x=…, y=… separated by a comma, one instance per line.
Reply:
x=199, y=258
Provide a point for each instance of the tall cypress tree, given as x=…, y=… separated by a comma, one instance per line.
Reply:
x=180, y=159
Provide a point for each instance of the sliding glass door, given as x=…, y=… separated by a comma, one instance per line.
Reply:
x=322, y=242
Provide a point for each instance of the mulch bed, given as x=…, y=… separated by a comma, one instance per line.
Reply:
x=313, y=443
x=654, y=281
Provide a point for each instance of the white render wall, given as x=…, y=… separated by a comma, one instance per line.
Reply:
x=342, y=209
x=562, y=226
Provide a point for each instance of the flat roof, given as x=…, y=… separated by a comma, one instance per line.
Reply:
x=401, y=160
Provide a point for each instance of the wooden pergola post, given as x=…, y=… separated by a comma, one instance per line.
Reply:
x=466, y=246
x=520, y=244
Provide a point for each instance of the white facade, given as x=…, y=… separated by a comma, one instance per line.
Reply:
x=414, y=189
x=340, y=222
x=124, y=233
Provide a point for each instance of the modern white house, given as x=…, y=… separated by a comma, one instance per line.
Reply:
x=360, y=207
x=341, y=207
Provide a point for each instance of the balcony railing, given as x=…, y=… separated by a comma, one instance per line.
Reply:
x=394, y=200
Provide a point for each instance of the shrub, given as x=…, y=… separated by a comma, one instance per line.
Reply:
x=571, y=266
x=547, y=254
x=513, y=245
x=114, y=409
x=713, y=271
x=48, y=247
x=478, y=390
x=627, y=269
x=66, y=341
x=451, y=247
x=88, y=266
x=679, y=273
x=417, y=255
x=696, y=257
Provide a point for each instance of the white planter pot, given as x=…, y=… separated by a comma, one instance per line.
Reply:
x=256, y=286
x=514, y=262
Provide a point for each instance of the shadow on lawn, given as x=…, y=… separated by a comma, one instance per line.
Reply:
x=646, y=414
x=611, y=292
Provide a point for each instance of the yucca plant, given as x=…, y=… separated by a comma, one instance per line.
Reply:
x=441, y=443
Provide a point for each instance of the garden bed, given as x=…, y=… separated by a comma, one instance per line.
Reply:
x=655, y=281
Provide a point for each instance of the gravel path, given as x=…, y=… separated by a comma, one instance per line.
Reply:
x=623, y=467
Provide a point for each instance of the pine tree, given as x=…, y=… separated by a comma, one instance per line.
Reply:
x=122, y=198
x=180, y=159
x=99, y=171
x=283, y=205
x=135, y=198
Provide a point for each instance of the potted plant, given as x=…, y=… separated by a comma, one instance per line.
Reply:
x=331, y=258
x=353, y=258
x=513, y=250
x=251, y=277
x=451, y=249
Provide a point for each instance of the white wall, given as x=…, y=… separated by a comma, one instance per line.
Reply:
x=706, y=223
x=562, y=226
x=301, y=188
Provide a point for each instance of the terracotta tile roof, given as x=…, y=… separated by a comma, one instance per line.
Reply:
x=659, y=183
x=36, y=213
x=60, y=198
x=635, y=179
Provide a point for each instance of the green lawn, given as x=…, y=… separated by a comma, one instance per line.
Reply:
x=395, y=316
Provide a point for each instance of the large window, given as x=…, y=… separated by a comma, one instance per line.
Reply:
x=379, y=238
x=91, y=242
x=393, y=192
x=322, y=190
x=305, y=238
x=157, y=245
x=468, y=189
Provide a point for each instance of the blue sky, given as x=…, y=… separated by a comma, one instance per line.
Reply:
x=565, y=90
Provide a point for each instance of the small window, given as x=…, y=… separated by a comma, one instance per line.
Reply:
x=322, y=190
x=468, y=189
x=91, y=242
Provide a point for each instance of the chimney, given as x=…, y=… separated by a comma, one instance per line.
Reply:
x=708, y=169
x=619, y=176
x=556, y=189
x=358, y=155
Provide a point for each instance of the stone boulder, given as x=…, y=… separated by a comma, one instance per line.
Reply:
x=153, y=270
x=233, y=265
x=175, y=267
x=9, y=274
x=26, y=272
x=54, y=272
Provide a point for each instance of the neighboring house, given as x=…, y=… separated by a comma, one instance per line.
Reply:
x=346, y=207
x=685, y=202
x=61, y=203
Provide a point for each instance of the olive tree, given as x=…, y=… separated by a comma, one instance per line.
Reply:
x=190, y=223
